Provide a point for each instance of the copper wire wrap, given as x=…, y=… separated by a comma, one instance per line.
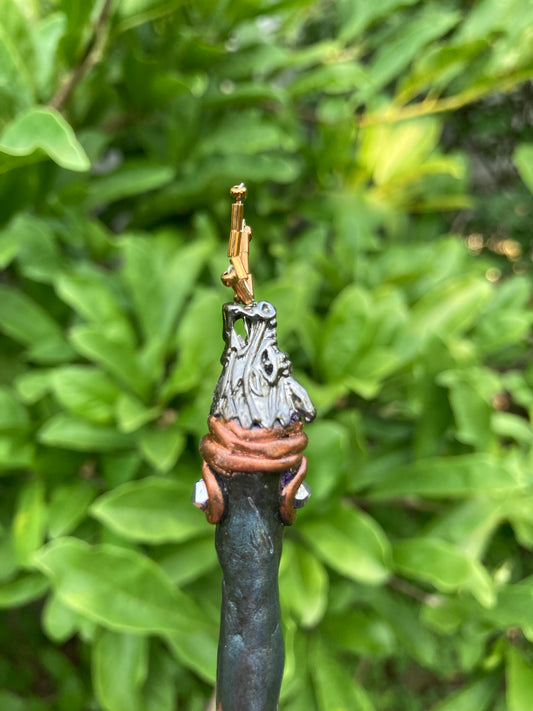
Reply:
x=230, y=448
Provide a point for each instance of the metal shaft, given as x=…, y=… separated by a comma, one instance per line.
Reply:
x=248, y=543
x=252, y=482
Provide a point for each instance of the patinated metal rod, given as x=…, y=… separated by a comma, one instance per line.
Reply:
x=252, y=482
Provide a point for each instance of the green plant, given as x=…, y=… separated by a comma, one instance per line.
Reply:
x=407, y=580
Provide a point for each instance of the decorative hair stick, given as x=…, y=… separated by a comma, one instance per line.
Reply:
x=252, y=483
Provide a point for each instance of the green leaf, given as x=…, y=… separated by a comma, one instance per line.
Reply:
x=107, y=346
x=471, y=393
x=33, y=385
x=519, y=677
x=445, y=566
x=137, y=12
x=82, y=436
x=515, y=606
x=327, y=455
x=159, y=690
x=26, y=322
x=449, y=309
x=159, y=275
x=86, y=392
x=360, y=632
x=130, y=179
x=38, y=255
x=152, y=510
x=162, y=447
x=198, y=651
x=68, y=505
x=13, y=415
x=22, y=590
x=10, y=702
x=91, y=293
x=336, y=689
x=351, y=543
x=523, y=159
x=29, y=521
x=456, y=476
x=16, y=452
x=117, y=588
x=59, y=621
x=476, y=695
x=196, y=346
x=43, y=128
x=16, y=86
x=47, y=36
x=132, y=414
x=119, y=668
x=187, y=561
x=303, y=584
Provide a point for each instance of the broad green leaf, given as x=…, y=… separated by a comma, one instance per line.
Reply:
x=107, y=346
x=13, y=415
x=29, y=521
x=38, y=255
x=28, y=323
x=82, y=436
x=403, y=617
x=43, y=128
x=132, y=414
x=187, y=561
x=118, y=588
x=197, y=650
x=33, y=385
x=390, y=151
x=86, y=392
x=92, y=294
x=510, y=426
x=11, y=702
x=457, y=476
x=161, y=447
x=519, y=678
x=126, y=181
x=16, y=452
x=393, y=56
x=159, y=274
x=445, y=566
x=27, y=588
x=523, y=159
x=137, y=12
x=120, y=468
x=360, y=632
x=196, y=346
x=159, y=690
x=327, y=455
x=119, y=668
x=449, y=309
x=351, y=543
x=477, y=695
x=469, y=524
x=515, y=606
x=471, y=393
x=303, y=584
x=16, y=86
x=47, y=36
x=59, y=621
x=152, y=510
x=68, y=505
x=336, y=689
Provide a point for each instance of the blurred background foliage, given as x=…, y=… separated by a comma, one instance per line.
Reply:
x=388, y=152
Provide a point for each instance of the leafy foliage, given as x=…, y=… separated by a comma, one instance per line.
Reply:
x=407, y=581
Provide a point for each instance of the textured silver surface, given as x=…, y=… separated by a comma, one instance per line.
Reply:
x=256, y=387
